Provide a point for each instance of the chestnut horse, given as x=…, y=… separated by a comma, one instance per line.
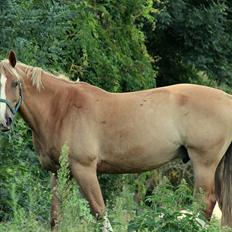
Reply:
x=122, y=132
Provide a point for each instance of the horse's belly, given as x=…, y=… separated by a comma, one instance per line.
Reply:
x=139, y=142
x=136, y=160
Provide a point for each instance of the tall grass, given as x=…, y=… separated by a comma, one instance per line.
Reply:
x=162, y=215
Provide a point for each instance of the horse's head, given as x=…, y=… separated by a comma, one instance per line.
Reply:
x=10, y=92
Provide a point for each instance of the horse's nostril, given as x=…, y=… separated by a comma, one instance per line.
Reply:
x=4, y=127
x=8, y=121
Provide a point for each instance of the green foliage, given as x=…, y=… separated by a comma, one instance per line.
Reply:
x=28, y=204
x=125, y=215
x=166, y=215
x=96, y=42
x=74, y=213
x=18, y=163
x=191, y=34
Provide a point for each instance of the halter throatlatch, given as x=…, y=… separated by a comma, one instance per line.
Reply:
x=14, y=109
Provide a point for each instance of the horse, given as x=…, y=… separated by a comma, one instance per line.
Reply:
x=128, y=132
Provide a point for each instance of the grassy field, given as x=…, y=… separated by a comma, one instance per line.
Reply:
x=164, y=213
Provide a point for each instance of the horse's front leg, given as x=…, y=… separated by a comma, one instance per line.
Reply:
x=54, y=202
x=86, y=177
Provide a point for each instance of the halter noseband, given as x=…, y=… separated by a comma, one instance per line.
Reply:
x=15, y=109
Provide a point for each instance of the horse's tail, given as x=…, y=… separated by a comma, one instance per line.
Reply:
x=223, y=186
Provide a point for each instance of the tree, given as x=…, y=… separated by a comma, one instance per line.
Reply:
x=96, y=41
x=191, y=35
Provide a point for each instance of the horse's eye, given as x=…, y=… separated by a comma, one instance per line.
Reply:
x=14, y=83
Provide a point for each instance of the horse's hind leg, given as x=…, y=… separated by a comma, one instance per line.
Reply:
x=204, y=180
x=204, y=166
x=87, y=179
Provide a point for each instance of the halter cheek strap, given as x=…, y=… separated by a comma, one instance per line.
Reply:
x=14, y=109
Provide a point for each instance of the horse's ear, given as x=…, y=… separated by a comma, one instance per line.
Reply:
x=12, y=58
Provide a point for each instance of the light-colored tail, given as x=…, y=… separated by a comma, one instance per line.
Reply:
x=223, y=187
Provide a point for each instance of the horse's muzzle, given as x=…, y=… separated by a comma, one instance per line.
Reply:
x=5, y=126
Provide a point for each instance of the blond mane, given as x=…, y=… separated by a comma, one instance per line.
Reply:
x=34, y=73
x=5, y=66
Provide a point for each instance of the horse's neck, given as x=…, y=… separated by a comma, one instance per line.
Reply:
x=38, y=104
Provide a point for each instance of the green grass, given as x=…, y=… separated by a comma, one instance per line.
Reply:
x=163, y=214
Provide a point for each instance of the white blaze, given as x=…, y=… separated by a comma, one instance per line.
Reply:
x=3, y=96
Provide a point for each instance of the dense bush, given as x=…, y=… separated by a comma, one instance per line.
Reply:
x=20, y=172
x=96, y=42
x=191, y=35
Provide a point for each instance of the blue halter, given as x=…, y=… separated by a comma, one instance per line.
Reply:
x=14, y=109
